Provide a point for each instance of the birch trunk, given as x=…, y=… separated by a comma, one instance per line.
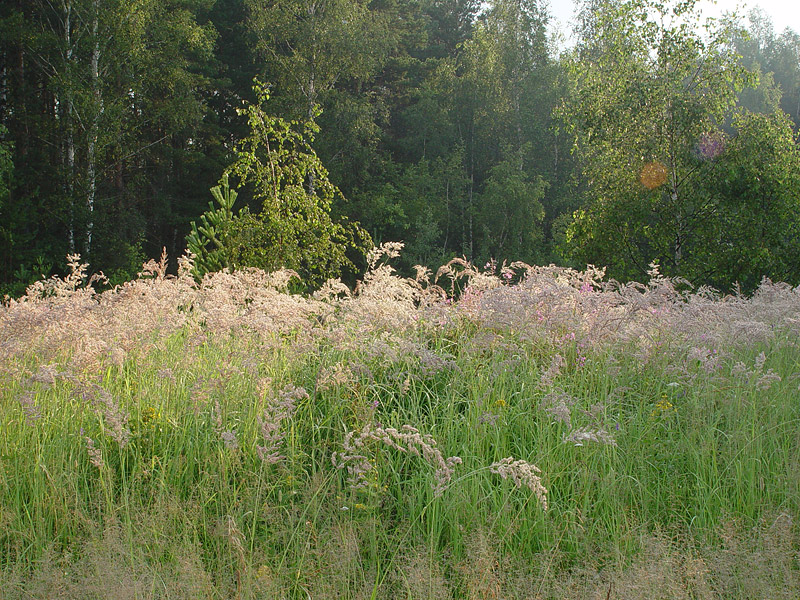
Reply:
x=70, y=140
x=91, y=153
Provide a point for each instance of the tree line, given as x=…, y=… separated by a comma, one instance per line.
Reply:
x=457, y=126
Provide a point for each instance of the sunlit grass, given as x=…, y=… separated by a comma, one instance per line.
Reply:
x=229, y=440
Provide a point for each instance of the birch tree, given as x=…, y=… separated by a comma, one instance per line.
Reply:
x=648, y=98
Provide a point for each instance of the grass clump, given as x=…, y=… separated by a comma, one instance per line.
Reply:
x=543, y=434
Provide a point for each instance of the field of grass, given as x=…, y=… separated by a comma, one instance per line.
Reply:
x=521, y=432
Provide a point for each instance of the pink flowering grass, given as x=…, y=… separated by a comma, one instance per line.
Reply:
x=482, y=429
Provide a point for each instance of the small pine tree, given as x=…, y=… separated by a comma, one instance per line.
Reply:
x=209, y=241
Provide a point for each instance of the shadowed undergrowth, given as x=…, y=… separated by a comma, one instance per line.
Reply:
x=512, y=432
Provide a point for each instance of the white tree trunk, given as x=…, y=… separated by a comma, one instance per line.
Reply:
x=70, y=141
x=91, y=154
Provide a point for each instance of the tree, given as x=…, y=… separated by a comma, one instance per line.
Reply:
x=104, y=108
x=508, y=68
x=511, y=43
x=777, y=58
x=6, y=163
x=786, y=66
x=481, y=110
x=649, y=96
x=293, y=228
x=450, y=25
x=754, y=231
x=511, y=212
x=430, y=195
x=311, y=45
x=210, y=241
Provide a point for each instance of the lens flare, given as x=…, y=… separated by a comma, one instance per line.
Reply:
x=710, y=145
x=654, y=175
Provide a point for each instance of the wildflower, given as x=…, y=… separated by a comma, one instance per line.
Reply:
x=117, y=356
x=766, y=380
x=335, y=376
x=150, y=416
x=560, y=413
x=553, y=371
x=557, y=403
x=663, y=406
x=739, y=369
x=489, y=418
x=47, y=374
x=166, y=374
x=216, y=414
x=760, y=360
x=708, y=359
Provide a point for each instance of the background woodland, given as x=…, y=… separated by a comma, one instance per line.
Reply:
x=458, y=127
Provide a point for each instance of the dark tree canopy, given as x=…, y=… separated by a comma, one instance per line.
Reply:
x=455, y=126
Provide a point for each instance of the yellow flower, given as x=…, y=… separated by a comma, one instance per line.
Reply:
x=150, y=416
x=663, y=406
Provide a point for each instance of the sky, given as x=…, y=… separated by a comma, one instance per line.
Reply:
x=784, y=13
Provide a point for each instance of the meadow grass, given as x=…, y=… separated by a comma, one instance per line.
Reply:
x=518, y=432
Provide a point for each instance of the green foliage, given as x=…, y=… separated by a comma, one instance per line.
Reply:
x=209, y=241
x=754, y=230
x=649, y=96
x=482, y=114
x=776, y=57
x=25, y=275
x=121, y=115
x=310, y=45
x=433, y=192
x=449, y=24
x=511, y=212
x=6, y=163
x=293, y=228
x=128, y=264
x=6, y=170
x=104, y=106
x=248, y=446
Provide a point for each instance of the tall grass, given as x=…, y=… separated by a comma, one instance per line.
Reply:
x=522, y=432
